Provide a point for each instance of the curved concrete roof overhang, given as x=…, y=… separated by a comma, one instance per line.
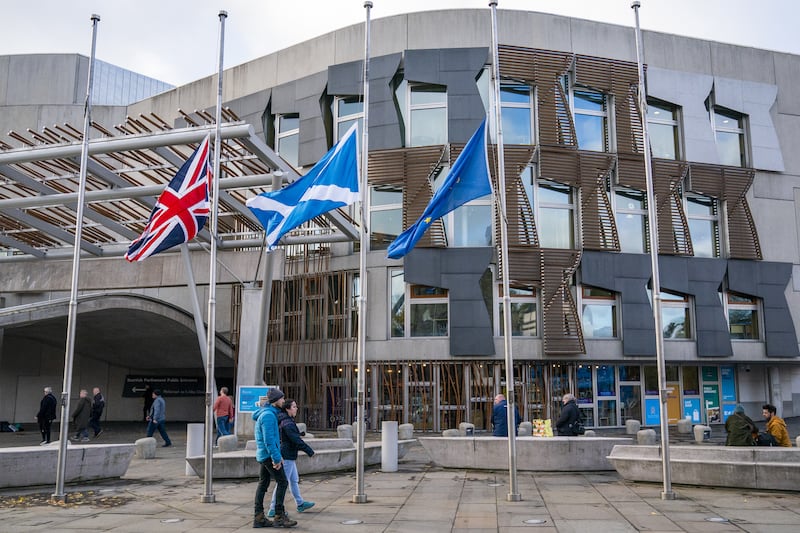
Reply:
x=124, y=329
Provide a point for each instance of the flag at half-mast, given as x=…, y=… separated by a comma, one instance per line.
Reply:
x=331, y=183
x=182, y=209
x=467, y=180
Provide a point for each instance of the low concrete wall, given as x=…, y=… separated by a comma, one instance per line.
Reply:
x=546, y=454
x=243, y=464
x=36, y=465
x=718, y=466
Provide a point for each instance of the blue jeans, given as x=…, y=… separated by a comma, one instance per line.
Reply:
x=151, y=428
x=265, y=472
x=293, y=478
x=222, y=426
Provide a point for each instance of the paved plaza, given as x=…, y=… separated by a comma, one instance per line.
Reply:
x=156, y=495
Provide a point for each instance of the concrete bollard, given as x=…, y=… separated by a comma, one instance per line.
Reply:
x=451, y=433
x=145, y=448
x=466, y=429
x=228, y=443
x=345, y=431
x=685, y=425
x=646, y=436
x=389, y=446
x=405, y=431
x=250, y=445
x=590, y=433
x=195, y=444
x=700, y=433
x=797, y=442
x=525, y=429
x=632, y=426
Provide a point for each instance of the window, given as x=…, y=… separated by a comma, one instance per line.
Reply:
x=599, y=314
x=428, y=313
x=703, y=216
x=386, y=215
x=662, y=127
x=523, y=312
x=517, y=113
x=590, y=110
x=397, y=314
x=470, y=224
x=556, y=221
x=743, y=316
x=426, y=115
x=346, y=112
x=675, y=316
x=729, y=132
x=631, y=210
x=287, y=138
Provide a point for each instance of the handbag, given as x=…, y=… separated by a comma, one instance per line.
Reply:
x=766, y=439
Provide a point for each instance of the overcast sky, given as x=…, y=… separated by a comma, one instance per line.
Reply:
x=176, y=40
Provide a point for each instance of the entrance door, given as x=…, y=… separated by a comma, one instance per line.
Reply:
x=673, y=402
x=630, y=403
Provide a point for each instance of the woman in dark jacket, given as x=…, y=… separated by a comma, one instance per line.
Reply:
x=740, y=428
x=567, y=422
x=291, y=443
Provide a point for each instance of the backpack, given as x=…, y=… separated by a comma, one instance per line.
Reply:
x=577, y=426
x=766, y=439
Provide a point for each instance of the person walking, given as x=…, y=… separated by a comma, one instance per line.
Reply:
x=291, y=443
x=500, y=417
x=741, y=429
x=81, y=415
x=46, y=414
x=268, y=454
x=98, y=404
x=776, y=426
x=223, y=412
x=157, y=418
x=148, y=402
x=570, y=415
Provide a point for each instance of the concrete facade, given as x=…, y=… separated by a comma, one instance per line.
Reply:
x=760, y=85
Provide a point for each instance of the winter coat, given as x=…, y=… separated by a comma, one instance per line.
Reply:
x=268, y=441
x=500, y=419
x=777, y=428
x=82, y=412
x=291, y=441
x=47, y=408
x=566, y=422
x=98, y=405
x=740, y=430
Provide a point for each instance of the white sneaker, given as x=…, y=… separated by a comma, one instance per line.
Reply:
x=85, y=439
x=43, y=443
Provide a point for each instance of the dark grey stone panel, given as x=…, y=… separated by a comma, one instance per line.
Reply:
x=768, y=280
x=303, y=97
x=458, y=270
x=457, y=69
x=384, y=121
x=251, y=108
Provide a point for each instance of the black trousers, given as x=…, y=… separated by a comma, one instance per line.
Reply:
x=44, y=428
x=266, y=472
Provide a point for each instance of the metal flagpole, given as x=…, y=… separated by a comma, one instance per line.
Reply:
x=360, y=496
x=667, y=494
x=208, y=496
x=198, y=317
x=513, y=494
x=72, y=318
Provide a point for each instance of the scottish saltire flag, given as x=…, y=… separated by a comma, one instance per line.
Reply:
x=181, y=210
x=468, y=179
x=331, y=183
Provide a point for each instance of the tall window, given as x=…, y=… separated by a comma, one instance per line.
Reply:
x=347, y=111
x=675, y=316
x=703, y=216
x=599, y=314
x=631, y=210
x=556, y=220
x=523, y=312
x=590, y=110
x=427, y=114
x=386, y=215
x=397, y=313
x=743, y=316
x=470, y=224
x=287, y=138
x=428, y=312
x=729, y=132
x=662, y=126
x=517, y=111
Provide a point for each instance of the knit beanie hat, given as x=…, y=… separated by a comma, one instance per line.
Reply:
x=739, y=408
x=274, y=395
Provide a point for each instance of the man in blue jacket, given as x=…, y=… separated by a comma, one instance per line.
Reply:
x=500, y=417
x=268, y=454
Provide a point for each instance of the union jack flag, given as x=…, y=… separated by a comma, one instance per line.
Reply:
x=181, y=210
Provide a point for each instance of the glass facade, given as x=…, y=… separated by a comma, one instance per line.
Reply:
x=113, y=85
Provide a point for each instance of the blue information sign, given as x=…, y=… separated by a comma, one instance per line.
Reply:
x=691, y=409
x=651, y=412
x=727, y=410
x=728, y=384
x=250, y=396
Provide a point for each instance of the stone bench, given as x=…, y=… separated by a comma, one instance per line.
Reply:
x=718, y=466
x=545, y=454
x=36, y=465
x=330, y=455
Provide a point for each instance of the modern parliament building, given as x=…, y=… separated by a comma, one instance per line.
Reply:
x=724, y=126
